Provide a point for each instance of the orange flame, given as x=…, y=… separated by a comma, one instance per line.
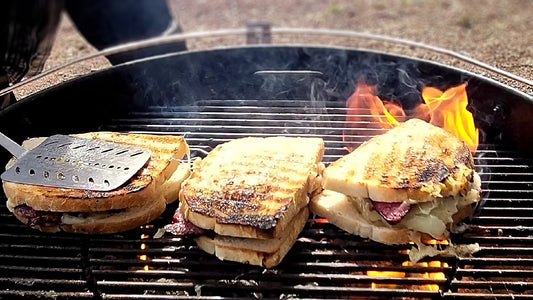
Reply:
x=365, y=109
x=446, y=109
x=144, y=257
x=429, y=275
x=398, y=274
x=387, y=274
x=437, y=276
x=364, y=99
x=394, y=112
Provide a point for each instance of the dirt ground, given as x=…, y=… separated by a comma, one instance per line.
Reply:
x=492, y=31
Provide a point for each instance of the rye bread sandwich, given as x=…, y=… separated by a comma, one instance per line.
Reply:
x=251, y=196
x=140, y=200
x=413, y=183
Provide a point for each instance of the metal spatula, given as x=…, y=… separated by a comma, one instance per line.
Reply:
x=71, y=162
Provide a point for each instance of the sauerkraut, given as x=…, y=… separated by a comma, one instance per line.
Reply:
x=433, y=217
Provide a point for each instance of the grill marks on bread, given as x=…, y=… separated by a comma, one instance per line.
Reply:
x=142, y=199
x=253, y=193
x=166, y=152
x=413, y=159
x=407, y=161
x=254, y=181
x=394, y=174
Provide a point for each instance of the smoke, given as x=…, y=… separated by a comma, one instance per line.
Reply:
x=482, y=160
x=313, y=80
x=236, y=74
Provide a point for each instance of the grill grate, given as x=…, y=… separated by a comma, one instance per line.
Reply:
x=325, y=262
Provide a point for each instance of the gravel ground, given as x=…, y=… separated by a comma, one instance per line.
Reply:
x=491, y=31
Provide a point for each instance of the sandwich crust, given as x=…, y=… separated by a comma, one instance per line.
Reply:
x=252, y=187
x=266, y=253
x=339, y=210
x=411, y=162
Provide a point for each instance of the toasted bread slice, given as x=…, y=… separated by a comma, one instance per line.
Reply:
x=252, y=187
x=340, y=211
x=99, y=222
x=102, y=222
x=260, y=252
x=142, y=199
x=414, y=161
x=166, y=152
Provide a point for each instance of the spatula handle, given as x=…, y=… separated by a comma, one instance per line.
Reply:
x=11, y=146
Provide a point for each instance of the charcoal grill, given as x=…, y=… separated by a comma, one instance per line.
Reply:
x=216, y=95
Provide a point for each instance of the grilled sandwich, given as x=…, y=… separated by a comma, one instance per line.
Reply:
x=140, y=200
x=412, y=183
x=251, y=195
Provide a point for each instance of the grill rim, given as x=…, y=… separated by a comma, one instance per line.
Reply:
x=88, y=257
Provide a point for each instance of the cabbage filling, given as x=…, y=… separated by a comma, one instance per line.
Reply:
x=432, y=217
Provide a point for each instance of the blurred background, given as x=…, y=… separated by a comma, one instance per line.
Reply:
x=491, y=31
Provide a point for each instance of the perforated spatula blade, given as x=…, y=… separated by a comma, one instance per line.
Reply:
x=72, y=162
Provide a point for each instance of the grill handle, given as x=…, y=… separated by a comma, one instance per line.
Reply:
x=11, y=146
